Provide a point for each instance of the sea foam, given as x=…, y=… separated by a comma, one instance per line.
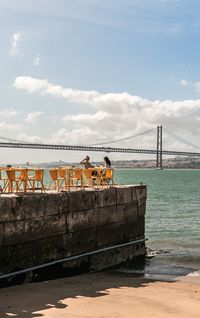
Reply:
x=194, y=274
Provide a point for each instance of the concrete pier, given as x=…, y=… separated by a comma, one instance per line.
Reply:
x=37, y=228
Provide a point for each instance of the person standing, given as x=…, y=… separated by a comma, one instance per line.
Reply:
x=86, y=162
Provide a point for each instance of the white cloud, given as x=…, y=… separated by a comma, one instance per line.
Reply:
x=15, y=44
x=33, y=116
x=36, y=60
x=86, y=118
x=79, y=136
x=184, y=82
x=115, y=115
x=26, y=138
x=6, y=126
x=196, y=85
x=32, y=85
x=8, y=112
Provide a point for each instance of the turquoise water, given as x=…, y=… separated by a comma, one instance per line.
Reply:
x=172, y=216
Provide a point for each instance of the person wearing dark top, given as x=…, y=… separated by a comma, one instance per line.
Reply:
x=107, y=163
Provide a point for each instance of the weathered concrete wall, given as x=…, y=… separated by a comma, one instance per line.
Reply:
x=38, y=228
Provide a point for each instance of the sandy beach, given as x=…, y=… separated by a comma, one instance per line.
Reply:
x=102, y=295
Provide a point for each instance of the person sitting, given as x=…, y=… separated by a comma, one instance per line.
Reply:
x=107, y=162
x=86, y=162
x=107, y=165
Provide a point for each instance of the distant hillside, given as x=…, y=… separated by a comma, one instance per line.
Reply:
x=170, y=163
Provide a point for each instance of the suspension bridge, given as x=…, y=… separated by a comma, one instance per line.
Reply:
x=101, y=147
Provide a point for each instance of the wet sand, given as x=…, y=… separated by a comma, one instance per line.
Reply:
x=101, y=295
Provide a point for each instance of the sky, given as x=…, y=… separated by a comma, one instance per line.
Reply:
x=83, y=72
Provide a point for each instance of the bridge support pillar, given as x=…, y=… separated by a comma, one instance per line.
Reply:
x=159, y=148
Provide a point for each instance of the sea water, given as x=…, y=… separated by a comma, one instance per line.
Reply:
x=172, y=219
x=172, y=224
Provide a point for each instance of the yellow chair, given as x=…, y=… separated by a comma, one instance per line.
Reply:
x=64, y=177
x=106, y=177
x=88, y=177
x=2, y=180
x=12, y=182
x=23, y=175
x=36, y=181
x=17, y=180
x=58, y=177
x=76, y=176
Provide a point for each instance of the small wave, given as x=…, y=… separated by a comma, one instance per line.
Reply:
x=194, y=274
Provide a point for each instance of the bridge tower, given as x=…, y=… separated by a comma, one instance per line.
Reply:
x=159, y=148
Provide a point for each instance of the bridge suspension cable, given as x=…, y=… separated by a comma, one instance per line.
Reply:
x=13, y=140
x=181, y=139
x=90, y=148
x=123, y=139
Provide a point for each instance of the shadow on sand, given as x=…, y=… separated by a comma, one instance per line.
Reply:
x=26, y=301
